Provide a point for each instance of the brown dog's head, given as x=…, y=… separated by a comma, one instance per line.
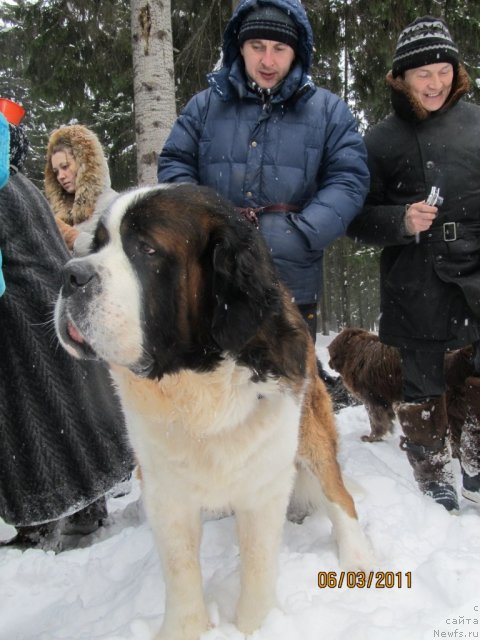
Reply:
x=341, y=347
x=175, y=278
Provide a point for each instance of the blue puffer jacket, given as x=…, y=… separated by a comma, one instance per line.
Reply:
x=300, y=146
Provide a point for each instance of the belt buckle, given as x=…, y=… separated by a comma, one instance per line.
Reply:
x=449, y=231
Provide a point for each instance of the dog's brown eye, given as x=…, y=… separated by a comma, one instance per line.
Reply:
x=146, y=248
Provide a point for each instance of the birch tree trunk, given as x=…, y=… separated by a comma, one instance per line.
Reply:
x=154, y=82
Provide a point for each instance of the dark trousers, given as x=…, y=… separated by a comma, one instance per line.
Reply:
x=309, y=314
x=424, y=422
x=423, y=373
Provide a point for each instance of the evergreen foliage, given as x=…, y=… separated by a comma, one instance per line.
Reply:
x=70, y=60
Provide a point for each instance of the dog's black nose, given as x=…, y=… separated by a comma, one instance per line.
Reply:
x=76, y=274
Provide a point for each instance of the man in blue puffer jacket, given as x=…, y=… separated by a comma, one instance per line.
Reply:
x=265, y=137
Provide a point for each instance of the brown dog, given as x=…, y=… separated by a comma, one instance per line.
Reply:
x=371, y=371
x=217, y=376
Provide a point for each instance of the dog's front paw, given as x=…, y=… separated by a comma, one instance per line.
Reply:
x=248, y=624
x=356, y=554
x=189, y=628
x=251, y=612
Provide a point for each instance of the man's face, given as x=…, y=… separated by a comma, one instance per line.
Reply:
x=431, y=84
x=267, y=62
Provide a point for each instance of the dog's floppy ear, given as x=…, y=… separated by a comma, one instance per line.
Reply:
x=245, y=285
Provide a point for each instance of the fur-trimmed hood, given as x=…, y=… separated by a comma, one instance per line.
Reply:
x=406, y=105
x=93, y=176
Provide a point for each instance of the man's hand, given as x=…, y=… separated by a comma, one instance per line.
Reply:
x=419, y=217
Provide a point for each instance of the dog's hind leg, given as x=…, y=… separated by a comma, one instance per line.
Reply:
x=381, y=422
x=320, y=480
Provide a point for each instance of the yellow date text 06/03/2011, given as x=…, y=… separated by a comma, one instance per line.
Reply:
x=364, y=580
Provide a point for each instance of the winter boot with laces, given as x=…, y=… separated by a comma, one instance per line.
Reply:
x=431, y=469
x=425, y=427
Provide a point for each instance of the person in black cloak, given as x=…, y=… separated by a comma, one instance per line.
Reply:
x=64, y=444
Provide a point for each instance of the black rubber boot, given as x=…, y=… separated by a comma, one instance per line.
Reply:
x=336, y=389
x=87, y=520
x=471, y=487
x=46, y=536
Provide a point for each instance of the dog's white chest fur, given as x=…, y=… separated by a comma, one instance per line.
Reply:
x=219, y=436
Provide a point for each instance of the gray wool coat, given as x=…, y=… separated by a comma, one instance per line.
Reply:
x=61, y=428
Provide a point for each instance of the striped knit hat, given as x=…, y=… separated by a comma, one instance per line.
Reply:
x=425, y=41
x=268, y=23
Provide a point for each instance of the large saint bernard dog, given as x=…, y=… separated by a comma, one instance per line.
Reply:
x=218, y=379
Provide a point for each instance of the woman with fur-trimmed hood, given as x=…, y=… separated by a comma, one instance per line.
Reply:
x=77, y=179
x=430, y=263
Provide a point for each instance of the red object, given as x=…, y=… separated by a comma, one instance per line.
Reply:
x=12, y=111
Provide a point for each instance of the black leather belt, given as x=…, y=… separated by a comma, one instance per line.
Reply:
x=449, y=232
x=251, y=213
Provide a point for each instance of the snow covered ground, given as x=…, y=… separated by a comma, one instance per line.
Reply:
x=112, y=587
